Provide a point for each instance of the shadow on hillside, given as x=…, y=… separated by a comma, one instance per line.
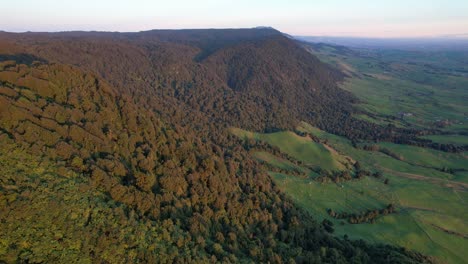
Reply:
x=22, y=58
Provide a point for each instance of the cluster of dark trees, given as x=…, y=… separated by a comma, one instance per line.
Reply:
x=335, y=176
x=451, y=148
x=341, y=176
x=345, y=175
x=368, y=216
x=144, y=117
x=306, y=134
x=424, y=143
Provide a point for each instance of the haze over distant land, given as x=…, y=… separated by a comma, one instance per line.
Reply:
x=459, y=42
x=359, y=18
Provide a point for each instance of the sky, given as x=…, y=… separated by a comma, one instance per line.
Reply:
x=356, y=18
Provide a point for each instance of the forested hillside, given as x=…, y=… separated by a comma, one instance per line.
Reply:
x=252, y=78
x=137, y=123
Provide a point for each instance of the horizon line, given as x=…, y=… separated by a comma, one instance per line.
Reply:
x=460, y=36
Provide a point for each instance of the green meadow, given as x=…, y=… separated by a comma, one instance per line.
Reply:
x=428, y=157
x=301, y=148
x=431, y=204
x=406, y=88
x=449, y=139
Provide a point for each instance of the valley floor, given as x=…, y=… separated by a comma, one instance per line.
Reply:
x=430, y=204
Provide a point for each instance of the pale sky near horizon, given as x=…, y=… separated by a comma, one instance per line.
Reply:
x=363, y=18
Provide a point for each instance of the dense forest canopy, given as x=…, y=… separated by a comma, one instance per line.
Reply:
x=142, y=118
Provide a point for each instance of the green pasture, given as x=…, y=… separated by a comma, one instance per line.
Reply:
x=431, y=204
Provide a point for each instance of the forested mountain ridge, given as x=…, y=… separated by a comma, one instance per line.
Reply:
x=262, y=79
x=140, y=120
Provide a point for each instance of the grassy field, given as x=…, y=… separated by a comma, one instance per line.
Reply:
x=449, y=139
x=417, y=89
x=428, y=157
x=413, y=226
x=301, y=148
x=277, y=161
x=431, y=204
